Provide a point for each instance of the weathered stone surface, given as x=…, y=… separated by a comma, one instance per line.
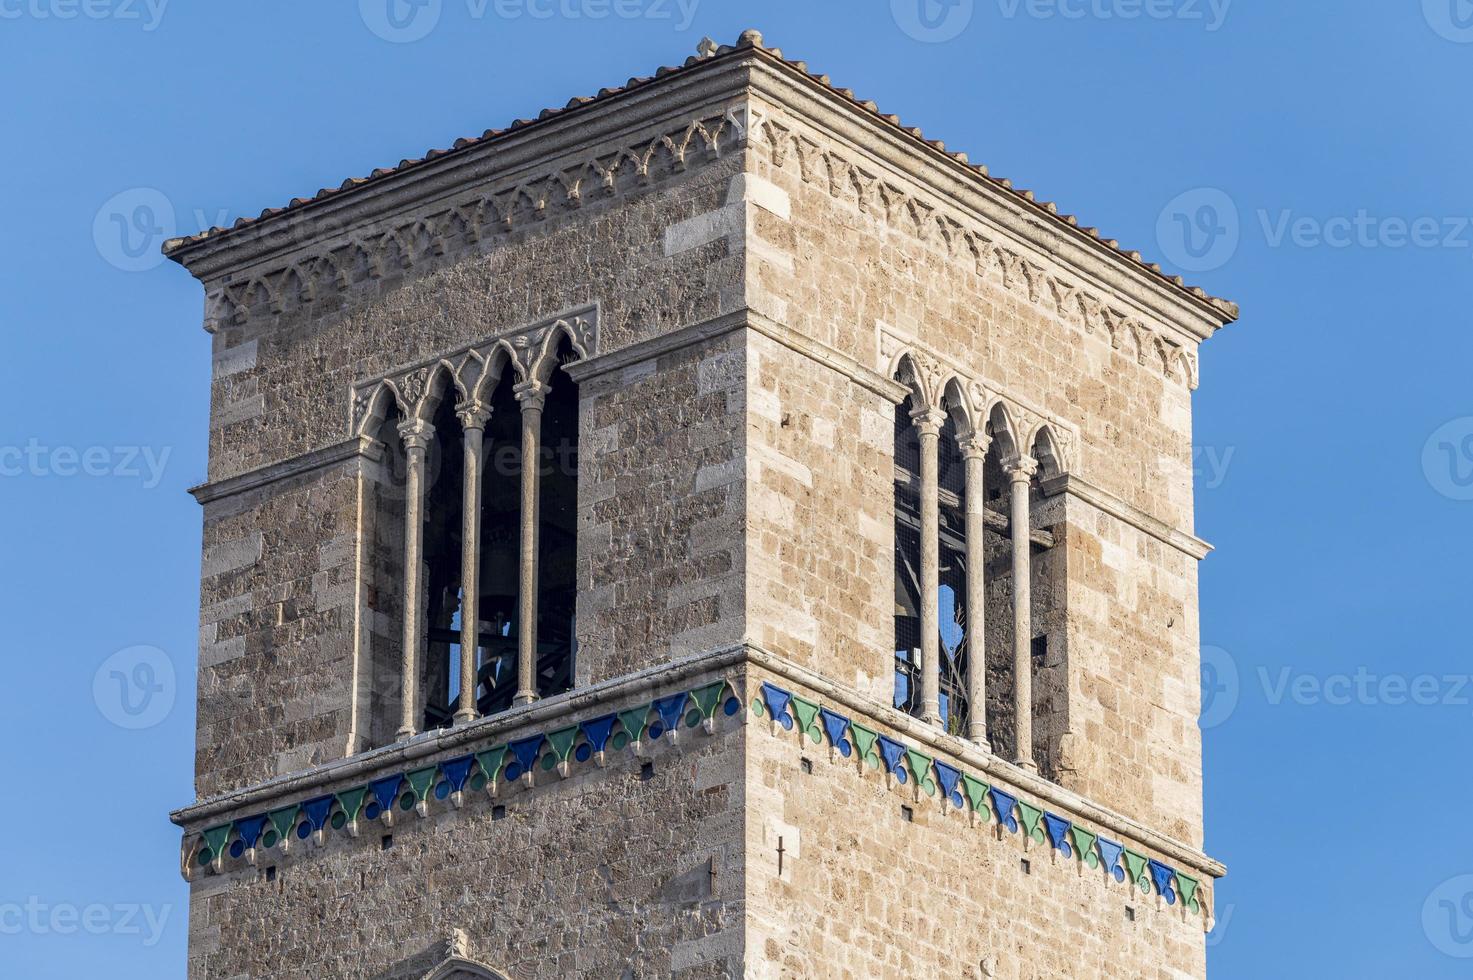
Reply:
x=761, y=260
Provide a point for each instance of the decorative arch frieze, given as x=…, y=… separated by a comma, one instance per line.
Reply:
x=964, y=239
x=339, y=262
x=937, y=384
x=470, y=373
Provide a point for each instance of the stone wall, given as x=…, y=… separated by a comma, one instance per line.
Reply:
x=282, y=695
x=857, y=256
x=752, y=286
x=879, y=880
x=631, y=869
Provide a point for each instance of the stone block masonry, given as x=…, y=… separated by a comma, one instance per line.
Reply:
x=737, y=276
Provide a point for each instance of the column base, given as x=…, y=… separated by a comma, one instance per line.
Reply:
x=405, y=734
x=1027, y=764
x=980, y=740
x=463, y=717
x=524, y=697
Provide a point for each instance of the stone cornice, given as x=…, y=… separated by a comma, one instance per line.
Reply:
x=1037, y=231
x=521, y=153
x=1102, y=499
x=605, y=696
x=697, y=333
x=308, y=462
x=992, y=766
x=427, y=744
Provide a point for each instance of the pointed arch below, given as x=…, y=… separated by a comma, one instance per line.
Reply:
x=470, y=374
x=459, y=968
x=1046, y=447
x=956, y=403
x=1003, y=428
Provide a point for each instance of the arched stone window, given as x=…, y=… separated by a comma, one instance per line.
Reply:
x=470, y=526
x=966, y=478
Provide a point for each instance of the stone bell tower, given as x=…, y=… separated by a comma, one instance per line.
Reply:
x=705, y=530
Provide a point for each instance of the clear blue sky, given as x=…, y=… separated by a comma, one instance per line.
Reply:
x=1333, y=420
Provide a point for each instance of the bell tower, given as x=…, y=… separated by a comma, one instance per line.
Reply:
x=705, y=530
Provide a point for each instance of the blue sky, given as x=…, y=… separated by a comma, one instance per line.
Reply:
x=1309, y=160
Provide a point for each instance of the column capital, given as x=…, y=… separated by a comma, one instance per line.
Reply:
x=416, y=433
x=928, y=421
x=531, y=394
x=473, y=414
x=975, y=447
x=1020, y=467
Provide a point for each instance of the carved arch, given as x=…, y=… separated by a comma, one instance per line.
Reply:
x=1046, y=447
x=460, y=968
x=925, y=378
x=957, y=403
x=1005, y=428
x=544, y=362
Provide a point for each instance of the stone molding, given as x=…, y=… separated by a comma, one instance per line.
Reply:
x=977, y=210
x=332, y=261
x=1103, y=500
x=944, y=224
x=698, y=333
x=474, y=370
x=556, y=709
x=308, y=462
x=939, y=383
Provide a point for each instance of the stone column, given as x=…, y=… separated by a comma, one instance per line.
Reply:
x=974, y=451
x=416, y=435
x=532, y=395
x=473, y=419
x=928, y=424
x=1020, y=470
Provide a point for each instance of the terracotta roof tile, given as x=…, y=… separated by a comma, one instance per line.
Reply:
x=749, y=40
